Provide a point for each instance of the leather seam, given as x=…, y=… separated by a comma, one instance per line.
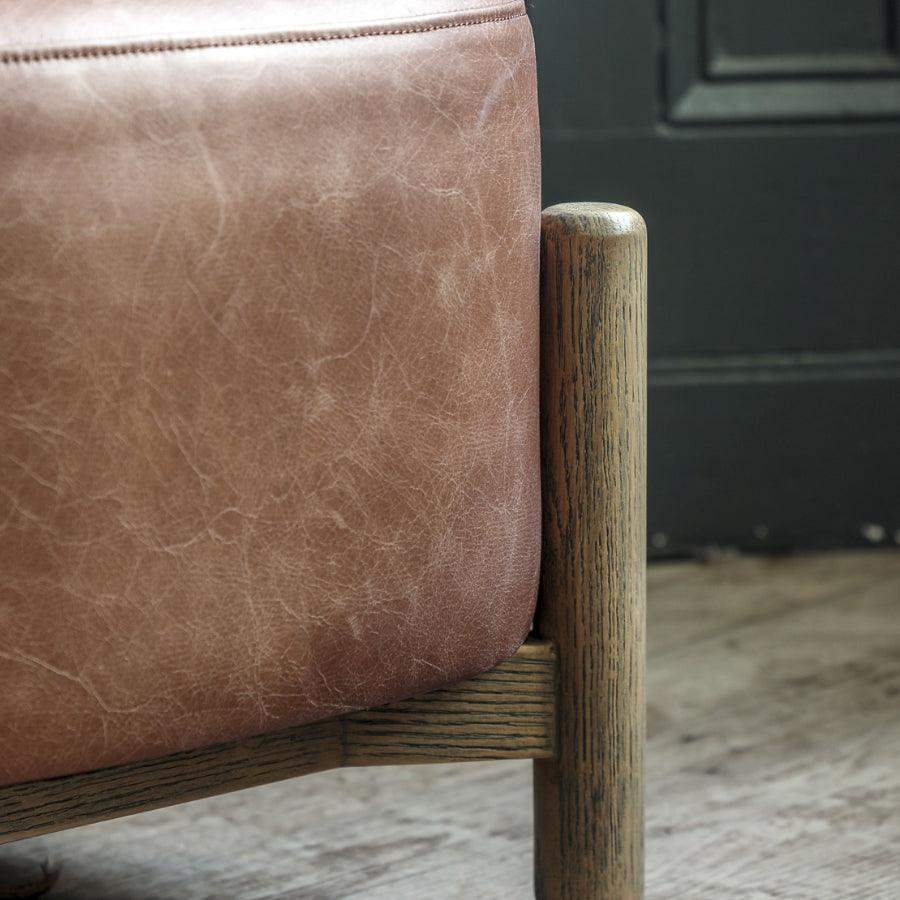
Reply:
x=99, y=51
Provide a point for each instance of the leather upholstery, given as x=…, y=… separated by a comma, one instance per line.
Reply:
x=268, y=364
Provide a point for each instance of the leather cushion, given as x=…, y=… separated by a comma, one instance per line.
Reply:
x=268, y=365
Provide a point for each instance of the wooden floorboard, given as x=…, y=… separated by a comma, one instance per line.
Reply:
x=773, y=772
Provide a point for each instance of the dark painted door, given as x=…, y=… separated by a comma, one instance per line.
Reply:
x=761, y=141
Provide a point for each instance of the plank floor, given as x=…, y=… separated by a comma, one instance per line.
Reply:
x=773, y=772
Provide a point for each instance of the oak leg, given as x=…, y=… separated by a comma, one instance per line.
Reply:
x=589, y=799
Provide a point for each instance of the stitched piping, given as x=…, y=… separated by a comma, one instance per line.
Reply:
x=10, y=57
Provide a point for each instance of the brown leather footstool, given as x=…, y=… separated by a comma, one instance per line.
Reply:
x=272, y=458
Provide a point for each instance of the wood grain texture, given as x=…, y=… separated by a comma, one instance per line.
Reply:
x=589, y=799
x=507, y=713
x=771, y=772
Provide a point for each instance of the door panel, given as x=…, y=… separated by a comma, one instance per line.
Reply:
x=746, y=61
x=761, y=141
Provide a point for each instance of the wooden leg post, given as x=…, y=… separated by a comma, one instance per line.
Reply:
x=589, y=799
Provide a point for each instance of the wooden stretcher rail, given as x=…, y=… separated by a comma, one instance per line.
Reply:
x=507, y=713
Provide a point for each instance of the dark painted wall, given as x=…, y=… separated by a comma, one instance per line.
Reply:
x=761, y=141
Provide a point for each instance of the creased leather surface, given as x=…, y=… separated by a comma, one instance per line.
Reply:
x=268, y=367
